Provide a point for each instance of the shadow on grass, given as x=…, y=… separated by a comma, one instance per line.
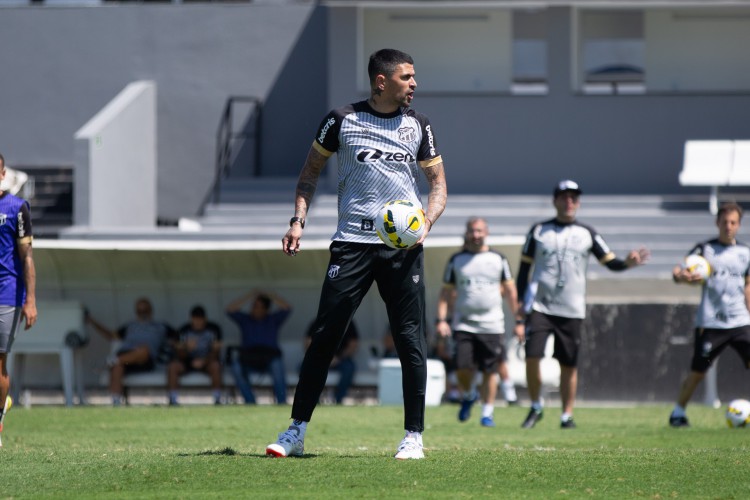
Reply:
x=229, y=452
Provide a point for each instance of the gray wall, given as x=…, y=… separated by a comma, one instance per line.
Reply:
x=495, y=143
x=61, y=65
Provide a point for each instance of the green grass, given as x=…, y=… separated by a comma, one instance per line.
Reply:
x=218, y=452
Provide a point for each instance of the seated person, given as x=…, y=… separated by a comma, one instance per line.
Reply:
x=259, y=350
x=196, y=348
x=141, y=342
x=343, y=360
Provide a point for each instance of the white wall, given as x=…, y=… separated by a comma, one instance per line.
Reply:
x=115, y=171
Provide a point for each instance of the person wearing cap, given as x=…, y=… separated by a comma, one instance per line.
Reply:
x=196, y=348
x=551, y=285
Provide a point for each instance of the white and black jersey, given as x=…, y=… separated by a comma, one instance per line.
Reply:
x=477, y=277
x=379, y=156
x=723, y=298
x=559, y=253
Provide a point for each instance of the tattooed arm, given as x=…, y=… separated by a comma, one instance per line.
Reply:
x=306, y=185
x=438, y=195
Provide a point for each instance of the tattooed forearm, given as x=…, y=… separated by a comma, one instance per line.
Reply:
x=308, y=182
x=438, y=196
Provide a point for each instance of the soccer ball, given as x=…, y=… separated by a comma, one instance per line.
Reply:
x=738, y=413
x=697, y=264
x=400, y=224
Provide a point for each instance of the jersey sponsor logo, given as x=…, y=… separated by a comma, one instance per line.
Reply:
x=325, y=128
x=407, y=134
x=368, y=225
x=4, y=218
x=333, y=271
x=371, y=155
x=430, y=140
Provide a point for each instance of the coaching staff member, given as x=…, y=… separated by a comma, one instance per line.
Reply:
x=555, y=298
x=381, y=145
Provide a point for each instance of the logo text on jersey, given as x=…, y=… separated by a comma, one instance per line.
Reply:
x=325, y=128
x=371, y=155
x=430, y=139
x=368, y=224
x=407, y=134
x=333, y=271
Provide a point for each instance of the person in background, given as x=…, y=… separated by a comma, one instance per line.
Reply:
x=17, y=281
x=196, y=348
x=723, y=319
x=140, y=344
x=551, y=286
x=476, y=280
x=259, y=349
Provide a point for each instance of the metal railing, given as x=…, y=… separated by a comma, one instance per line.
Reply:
x=229, y=140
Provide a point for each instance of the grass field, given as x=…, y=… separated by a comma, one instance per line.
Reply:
x=218, y=452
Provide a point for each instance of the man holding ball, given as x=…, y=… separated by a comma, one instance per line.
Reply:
x=381, y=145
x=723, y=318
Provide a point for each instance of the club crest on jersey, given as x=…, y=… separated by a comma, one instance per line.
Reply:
x=333, y=271
x=407, y=134
x=415, y=279
x=3, y=219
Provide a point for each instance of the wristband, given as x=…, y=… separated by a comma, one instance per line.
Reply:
x=520, y=321
x=440, y=320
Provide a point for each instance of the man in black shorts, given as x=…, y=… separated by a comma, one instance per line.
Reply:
x=476, y=280
x=553, y=301
x=381, y=145
x=723, y=318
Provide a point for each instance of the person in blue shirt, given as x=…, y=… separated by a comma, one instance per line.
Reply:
x=17, y=280
x=259, y=348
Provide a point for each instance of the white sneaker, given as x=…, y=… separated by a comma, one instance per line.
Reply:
x=289, y=444
x=410, y=447
x=6, y=407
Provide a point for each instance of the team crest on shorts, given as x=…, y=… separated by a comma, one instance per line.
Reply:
x=415, y=279
x=333, y=271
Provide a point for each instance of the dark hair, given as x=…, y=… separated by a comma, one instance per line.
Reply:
x=729, y=206
x=2, y=160
x=197, y=312
x=384, y=62
x=265, y=300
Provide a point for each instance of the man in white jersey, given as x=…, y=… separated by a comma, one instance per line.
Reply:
x=723, y=318
x=381, y=145
x=553, y=301
x=475, y=281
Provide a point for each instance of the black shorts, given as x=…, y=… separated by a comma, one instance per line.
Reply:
x=710, y=342
x=143, y=367
x=567, y=332
x=479, y=350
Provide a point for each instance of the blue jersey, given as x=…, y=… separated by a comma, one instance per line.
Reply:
x=15, y=226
